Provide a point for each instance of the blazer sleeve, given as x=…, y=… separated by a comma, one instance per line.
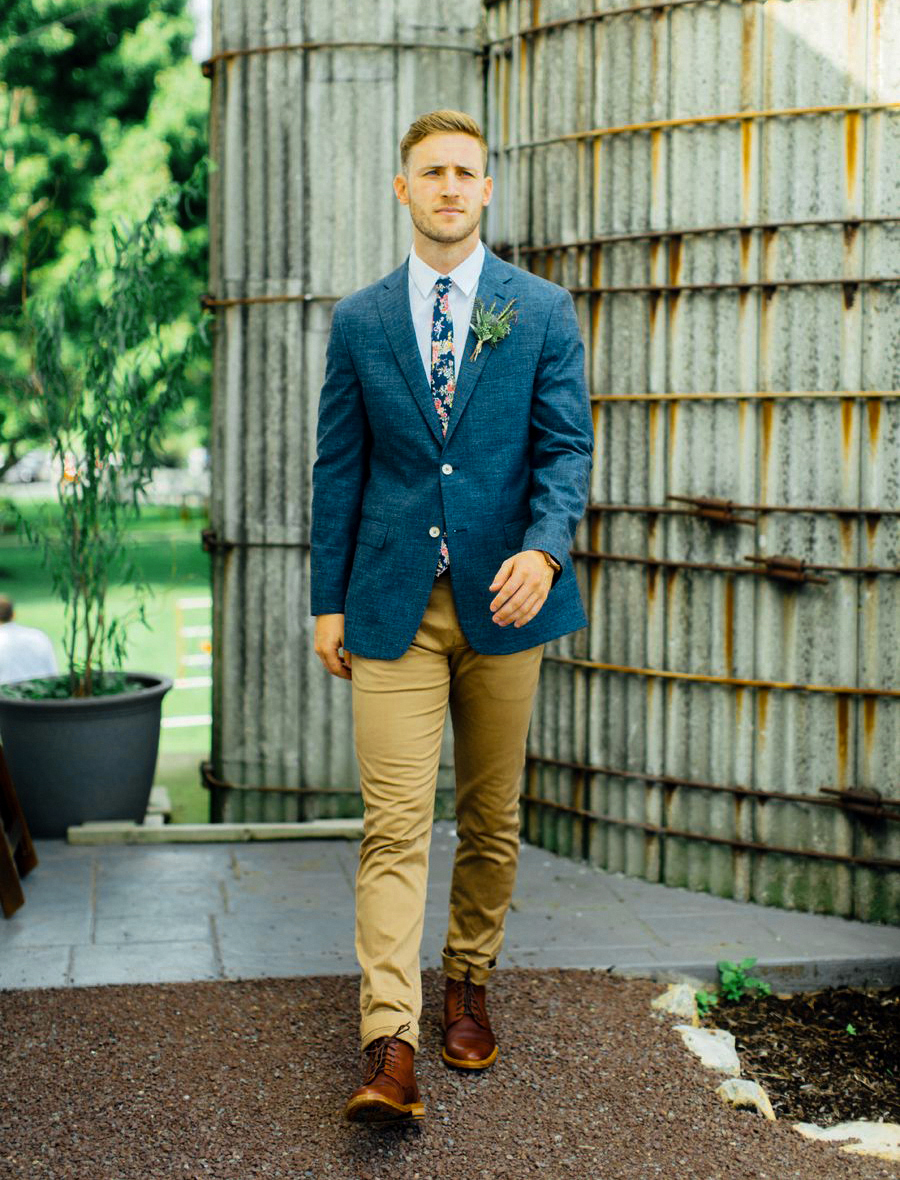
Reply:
x=343, y=445
x=562, y=436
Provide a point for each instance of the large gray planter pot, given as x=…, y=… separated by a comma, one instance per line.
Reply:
x=81, y=759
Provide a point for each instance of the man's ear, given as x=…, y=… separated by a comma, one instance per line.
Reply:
x=488, y=190
x=401, y=189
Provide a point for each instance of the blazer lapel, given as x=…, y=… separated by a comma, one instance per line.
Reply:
x=396, y=318
x=494, y=274
x=393, y=307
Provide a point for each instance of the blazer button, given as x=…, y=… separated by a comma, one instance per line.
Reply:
x=434, y=531
x=447, y=468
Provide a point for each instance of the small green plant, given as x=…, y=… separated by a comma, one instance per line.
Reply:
x=705, y=1001
x=851, y=1030
x=736, y=982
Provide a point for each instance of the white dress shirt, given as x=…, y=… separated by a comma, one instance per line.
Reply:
x=422, y=278
x=25, y=652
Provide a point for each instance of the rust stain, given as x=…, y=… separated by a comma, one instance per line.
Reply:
x=535, y=12
x=851, y=146
x=846, y=425
x=729, y=626
x=745, y=239
x=742, y=419
x=675, y=256
x=653, y=428
x=652, y=576
x=843, y=728
x=847, y=530
x=873, y=413
x=762, y=714
x=869, y=704
x=673, y=425
x=655, y=139
x=738, y=701
x=653, y=304
x=652, y=522
x=671, y=576
x=768, y=408
x=746, y=159
x=872, y=523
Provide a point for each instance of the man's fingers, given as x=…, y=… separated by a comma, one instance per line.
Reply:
x=517, y=605
x=501, y=575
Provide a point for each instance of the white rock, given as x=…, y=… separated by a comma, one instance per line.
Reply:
x=678, y=999
x=743, y=1094
x=714, y=1047
x=881, y=1140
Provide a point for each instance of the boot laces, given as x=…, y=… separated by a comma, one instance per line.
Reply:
x=383, y=1055
x=467, y=1002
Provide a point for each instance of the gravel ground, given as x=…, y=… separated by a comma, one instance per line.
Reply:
x=248, y=1078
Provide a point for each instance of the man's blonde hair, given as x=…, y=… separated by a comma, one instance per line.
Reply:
x=436, y=121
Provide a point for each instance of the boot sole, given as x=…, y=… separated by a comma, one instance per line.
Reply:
x=382, y=1110
x=461, y=1064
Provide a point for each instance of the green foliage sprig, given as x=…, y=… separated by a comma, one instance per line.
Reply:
x=108, y=368
x=491, y=327
x=735, y=983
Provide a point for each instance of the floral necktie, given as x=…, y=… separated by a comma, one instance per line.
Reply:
x=443, y=375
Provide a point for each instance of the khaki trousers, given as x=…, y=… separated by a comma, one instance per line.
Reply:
x=399, y=708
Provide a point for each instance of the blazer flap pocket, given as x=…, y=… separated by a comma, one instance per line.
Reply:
x=371, y=532
x=514, y=530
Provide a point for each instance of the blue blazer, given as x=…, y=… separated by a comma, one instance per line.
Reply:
x=512, y=472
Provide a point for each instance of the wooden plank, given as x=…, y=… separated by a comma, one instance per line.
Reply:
x=130, y=832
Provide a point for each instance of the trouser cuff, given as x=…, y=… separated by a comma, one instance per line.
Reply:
x=370, y=1031
x=455, y=968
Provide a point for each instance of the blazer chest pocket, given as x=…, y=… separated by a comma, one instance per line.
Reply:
x=514, y=531
x=371, y=532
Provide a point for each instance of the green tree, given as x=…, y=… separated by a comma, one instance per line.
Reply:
x=101, y=107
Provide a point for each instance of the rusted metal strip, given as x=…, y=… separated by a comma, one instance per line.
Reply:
x=749, y=395
x=763, y=509
x=208, y=66
x=212, y=542
x=779, y=566
x=872, y=804
x=736, y=285
x=210, y=301
x=639, y=235
x=747, y=845
x=598, y=14
x=699, y=120
x=731, y=681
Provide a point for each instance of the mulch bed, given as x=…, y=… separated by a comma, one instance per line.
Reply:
x=814, y=1070
x=248, y=1078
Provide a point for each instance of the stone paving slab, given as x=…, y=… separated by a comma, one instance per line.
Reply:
x=102, y=914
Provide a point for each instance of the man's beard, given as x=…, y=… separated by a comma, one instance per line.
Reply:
x=453, y=233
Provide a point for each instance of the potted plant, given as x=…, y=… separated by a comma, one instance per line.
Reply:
x=108, y=367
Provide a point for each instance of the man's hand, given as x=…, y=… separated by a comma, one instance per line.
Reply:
x=329, y=645
x=523, y=582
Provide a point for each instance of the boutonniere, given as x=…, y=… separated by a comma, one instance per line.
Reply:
x=491, y=327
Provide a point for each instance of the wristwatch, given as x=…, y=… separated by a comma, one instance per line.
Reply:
x=552, y=562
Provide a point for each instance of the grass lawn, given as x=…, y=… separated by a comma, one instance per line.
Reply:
x=166, y=548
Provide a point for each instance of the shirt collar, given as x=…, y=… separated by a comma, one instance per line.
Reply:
x=465, y=275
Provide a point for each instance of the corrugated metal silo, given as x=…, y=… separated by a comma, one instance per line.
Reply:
x=717, y=185
x=309, y=102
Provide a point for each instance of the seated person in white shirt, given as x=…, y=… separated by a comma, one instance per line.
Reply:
x=25, y=652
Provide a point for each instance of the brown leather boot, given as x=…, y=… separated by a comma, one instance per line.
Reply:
x=389, y=1092
x=468, y=1039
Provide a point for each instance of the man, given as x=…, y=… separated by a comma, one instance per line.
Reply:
x=446, y=490
x=25, y=652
